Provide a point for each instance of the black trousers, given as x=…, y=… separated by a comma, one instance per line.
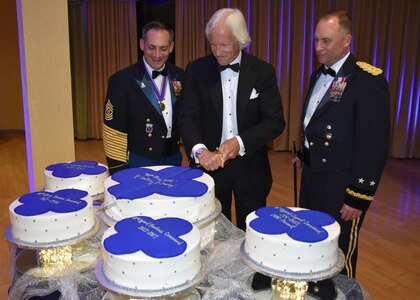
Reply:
x=250, y=187
x=325, y=191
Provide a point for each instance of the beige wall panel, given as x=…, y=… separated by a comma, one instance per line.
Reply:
x=47, y=58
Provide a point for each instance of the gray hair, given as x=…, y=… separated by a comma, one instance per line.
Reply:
x=235, y=21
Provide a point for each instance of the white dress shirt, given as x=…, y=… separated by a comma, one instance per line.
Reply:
x=167, y=113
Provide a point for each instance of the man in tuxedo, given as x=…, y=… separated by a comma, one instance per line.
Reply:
x=230, y=109
x=139, y=122
x=346, y=131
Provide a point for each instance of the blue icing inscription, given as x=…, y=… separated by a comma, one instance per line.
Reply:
x=62, y=201
x=302, y=225
x=172, y=181
x=156, y=238
x=76, y=168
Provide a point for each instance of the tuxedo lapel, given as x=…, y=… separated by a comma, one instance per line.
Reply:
x=215, y=87
x=246, y=83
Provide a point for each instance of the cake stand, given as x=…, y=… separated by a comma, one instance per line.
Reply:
x=75, y=252
x=279, y=277
x=185, y=291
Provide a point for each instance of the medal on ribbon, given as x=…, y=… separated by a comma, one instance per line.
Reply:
x=337, y=89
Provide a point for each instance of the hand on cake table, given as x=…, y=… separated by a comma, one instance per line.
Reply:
x=349, y=213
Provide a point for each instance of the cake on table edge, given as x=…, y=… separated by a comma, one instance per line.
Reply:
x=81, y=174
x=292, y=240
x=44, y=218
x=144, y=254
x=160, y=191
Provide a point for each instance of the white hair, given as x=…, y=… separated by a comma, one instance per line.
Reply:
x=235, y=21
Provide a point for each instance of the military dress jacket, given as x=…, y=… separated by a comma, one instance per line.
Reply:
x=350, y=129
x=133, y=120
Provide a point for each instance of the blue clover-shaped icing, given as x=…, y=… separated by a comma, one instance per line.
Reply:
x=172, y=181
x=302, y=225
x=76, y=168
x=156, y=238
x=62, y=201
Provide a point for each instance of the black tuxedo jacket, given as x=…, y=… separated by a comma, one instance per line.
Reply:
x=352, y=131
x=133, y=120
x=259, y=118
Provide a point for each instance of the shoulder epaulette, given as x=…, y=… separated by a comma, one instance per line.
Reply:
x=369, y=68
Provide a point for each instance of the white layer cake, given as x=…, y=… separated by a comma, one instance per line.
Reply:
x=42, y=218
x=160, y=191
x=84, y=175
x=292, y=240
x=146, y=254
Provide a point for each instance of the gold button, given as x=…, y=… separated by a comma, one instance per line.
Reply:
x=328, y=136
x=149, y=135
x=326, y=144
x=328, y=127
x=162, y=136
x=150, y=149
x=324, y=160
x=311, y=144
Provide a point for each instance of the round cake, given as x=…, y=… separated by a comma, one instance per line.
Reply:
x=292, y=240
x=147, y=255
x=84, y=175
x=160, y=191
x=44, y=218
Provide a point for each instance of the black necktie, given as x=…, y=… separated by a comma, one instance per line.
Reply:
x=164, y=72
x=234, y=67
x=328, y=71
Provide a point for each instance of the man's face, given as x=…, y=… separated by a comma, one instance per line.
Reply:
x=156, y=47
x=330, y=43
x=223, y=44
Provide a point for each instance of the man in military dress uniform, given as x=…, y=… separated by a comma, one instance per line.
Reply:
x=346, y=130
x=138, y=123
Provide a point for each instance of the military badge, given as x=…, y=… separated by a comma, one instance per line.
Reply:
x=177, y=87
x=109, y=111
x=149, y=128
x=337, y=89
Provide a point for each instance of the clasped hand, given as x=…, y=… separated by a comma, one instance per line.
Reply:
x=213, y=160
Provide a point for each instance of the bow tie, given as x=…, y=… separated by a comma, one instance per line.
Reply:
x=164, y=72
x=234, y=67
x=328, y=71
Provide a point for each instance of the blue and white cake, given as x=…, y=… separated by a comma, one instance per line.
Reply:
x=44, y=218
x=145, y=254
x=292, y=240
x=160, y=191
x=84, y=175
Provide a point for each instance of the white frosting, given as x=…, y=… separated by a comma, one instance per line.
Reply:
x=51, y=227
x=283, y=253
x=93, y=184
x=193, y=209
x=139, y=271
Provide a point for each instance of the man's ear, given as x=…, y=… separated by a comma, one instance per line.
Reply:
x=141, y=43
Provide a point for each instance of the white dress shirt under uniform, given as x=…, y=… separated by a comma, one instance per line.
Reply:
x=321, y=86
x=167, y=113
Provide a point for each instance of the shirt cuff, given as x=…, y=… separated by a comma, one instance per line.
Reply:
x=241, y=145
x=194, y=150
